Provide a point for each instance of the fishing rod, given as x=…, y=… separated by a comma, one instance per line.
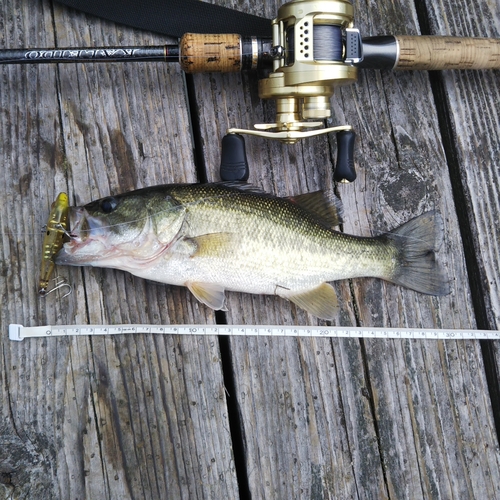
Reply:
x=314, y=49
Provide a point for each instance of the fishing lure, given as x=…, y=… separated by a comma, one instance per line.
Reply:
x=57, y=226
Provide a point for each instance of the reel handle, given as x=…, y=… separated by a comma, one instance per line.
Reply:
x=344, y=170
x=233, y=163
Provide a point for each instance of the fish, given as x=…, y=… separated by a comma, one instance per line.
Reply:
x=213, y=238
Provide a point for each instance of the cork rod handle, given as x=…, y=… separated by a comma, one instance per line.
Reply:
x=200, y=53
x=447, y=52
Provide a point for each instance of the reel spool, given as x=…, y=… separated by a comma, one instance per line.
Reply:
x=309, y=62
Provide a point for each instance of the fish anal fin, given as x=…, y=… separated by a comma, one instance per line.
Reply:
x=327, y=209
x=320, y=301
x=210, y=294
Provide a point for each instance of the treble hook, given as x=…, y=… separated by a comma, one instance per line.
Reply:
x=59, y=283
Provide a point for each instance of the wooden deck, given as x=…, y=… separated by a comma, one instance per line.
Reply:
x=174, y=417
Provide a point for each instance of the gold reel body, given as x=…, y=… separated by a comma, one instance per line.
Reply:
x=308, y=62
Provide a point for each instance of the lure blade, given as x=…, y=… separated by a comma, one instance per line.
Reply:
x=57, y=226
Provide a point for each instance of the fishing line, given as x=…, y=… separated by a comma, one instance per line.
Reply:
x=328, y=44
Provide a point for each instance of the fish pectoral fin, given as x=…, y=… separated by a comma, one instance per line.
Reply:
x=210, y=294
x=212, y=244
x=320, y=301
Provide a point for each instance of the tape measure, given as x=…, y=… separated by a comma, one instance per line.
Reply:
x=19, y=332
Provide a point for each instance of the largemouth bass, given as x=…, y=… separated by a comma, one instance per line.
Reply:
x=228, y=236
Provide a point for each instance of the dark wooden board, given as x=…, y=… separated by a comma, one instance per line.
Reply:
x=153, y=417
x=471, y=104
x=402, y=397
x=132, y=417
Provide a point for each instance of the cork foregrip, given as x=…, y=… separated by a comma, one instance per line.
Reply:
x=201, y=53
x=447, y=52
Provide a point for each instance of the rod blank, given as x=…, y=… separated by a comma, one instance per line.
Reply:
x=196, y=53
x=165, y=53
x=225, y=53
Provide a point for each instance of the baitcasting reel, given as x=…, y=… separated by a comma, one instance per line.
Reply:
x=314, y=47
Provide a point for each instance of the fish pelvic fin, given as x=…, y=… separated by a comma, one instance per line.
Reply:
x=417, y=242
x=210, y=294
x=320, y=301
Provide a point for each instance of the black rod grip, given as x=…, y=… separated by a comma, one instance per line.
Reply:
x=379, y=52
x=344, y=170
x=234, y=163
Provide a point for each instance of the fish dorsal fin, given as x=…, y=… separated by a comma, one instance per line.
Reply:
x=327, y=208
x=320, y=301
x=210, y=294
x=242, y=186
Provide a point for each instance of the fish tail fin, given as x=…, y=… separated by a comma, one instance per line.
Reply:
x=416, y=242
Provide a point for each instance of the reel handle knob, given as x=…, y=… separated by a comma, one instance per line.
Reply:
x=234, y=163
x=344, y=170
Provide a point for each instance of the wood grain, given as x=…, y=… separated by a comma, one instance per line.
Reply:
x=470, y=100
x=402, y=392
x=412, y=139
x=140, y=417
x=175, y=417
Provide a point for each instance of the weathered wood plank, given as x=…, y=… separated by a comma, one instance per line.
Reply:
x=302, y=436
x=414, y=396
x=134, y=417
x=146, y=417
x=407, y=395
x=471, y=98
x=472, y=101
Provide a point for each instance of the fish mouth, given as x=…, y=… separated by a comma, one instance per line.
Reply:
x=82, y=230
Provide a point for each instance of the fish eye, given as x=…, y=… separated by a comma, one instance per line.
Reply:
x=107, y=205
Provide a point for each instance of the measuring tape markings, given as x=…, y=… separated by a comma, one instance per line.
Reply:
x=19, y=332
